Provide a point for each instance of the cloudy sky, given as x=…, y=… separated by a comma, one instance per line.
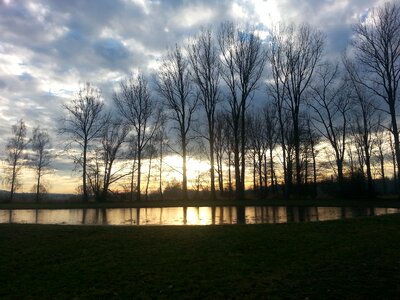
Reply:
x=49, y=48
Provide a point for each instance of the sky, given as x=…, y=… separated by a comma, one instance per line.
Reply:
x=48, y=49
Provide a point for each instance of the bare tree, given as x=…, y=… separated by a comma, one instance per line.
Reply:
x=41, y=157
x=256, y=133
x=15, y=148
x=243, y=60
x=271, y=138
x=83, y=124
x=161, y=139
x=135, y=105
x=330, y=103
x=219, y=143
x=380, y=141
x=175, y=87
x=277, y=91
x=113, y=138
x=313, y=138
x=204, y=58
x=377, y=50
x=297, y=52
x=364, y=121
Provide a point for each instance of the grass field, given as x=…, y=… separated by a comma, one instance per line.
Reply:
x=347, y=259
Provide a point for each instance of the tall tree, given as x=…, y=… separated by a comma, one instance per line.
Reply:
x=365, y=119
x=135, y=105
x=40, y=158
x=277, y=92
x=204, y=58
x=83, y=124
x=175, y=87
x=298, y=51
x=243, y=60
x=377, y=51
x=330, y=103
x=15, y=148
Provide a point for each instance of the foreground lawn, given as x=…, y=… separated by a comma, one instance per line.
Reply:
x=347, y=259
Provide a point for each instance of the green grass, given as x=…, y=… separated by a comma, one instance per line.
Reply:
x=347, y=259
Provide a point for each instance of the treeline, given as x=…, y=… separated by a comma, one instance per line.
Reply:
x=313, y=116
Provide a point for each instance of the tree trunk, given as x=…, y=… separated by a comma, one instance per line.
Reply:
x=38, y=184
x=13, y=182
x=148, y=178
x=212, y=169
x=184, y=171
x=243, y=153
x=314, y=195
x=160, y=170
x=139, y=171
x=339, y=164
x=236, y=162
x=297, y=158
x=229, y=174
x=132, y=179
x=396, y=144
x=84, y=175
x=382, y=163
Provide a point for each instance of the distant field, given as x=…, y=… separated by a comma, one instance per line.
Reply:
x=347, y=259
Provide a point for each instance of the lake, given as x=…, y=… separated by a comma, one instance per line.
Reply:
x=187, y=215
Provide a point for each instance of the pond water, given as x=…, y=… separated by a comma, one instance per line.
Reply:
x=186, y=215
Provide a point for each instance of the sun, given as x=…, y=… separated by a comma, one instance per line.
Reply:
x=194, y=167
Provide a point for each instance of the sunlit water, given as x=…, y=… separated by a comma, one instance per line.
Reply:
x=186, y=215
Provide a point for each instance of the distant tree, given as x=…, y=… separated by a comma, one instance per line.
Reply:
x=15, y=148
x=82, y=125
x=41, y=157
x=206, y=68
x=377, y=51
x=136, y=106
x=175, y=87
x=243, y=59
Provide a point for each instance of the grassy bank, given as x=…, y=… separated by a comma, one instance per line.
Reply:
x=348, y=259
x=388, y=202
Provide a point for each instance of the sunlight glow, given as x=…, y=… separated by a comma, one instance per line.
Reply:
x=260, y=12
x=193, y=16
